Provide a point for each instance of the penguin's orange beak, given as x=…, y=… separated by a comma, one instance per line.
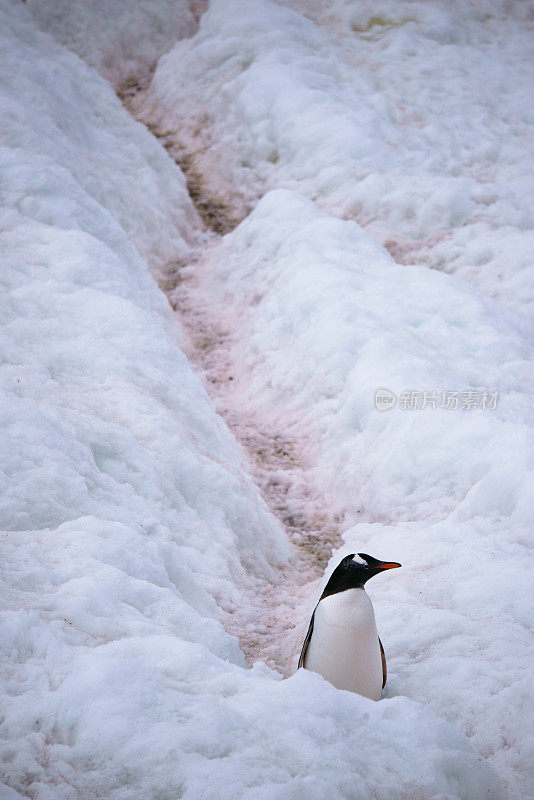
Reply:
x=389, y=565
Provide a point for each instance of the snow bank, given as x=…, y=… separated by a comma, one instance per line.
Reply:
x=55, y=108
x=123, y=41
x=326, y=317
x=129, y=523
x=176, y=721
x=412, y=118
x=136, y=510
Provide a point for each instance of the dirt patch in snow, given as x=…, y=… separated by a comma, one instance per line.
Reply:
x=213, y=211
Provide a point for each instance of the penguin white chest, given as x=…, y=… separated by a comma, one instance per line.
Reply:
x=344, y=646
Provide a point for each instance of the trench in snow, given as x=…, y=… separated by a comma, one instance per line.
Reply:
x=272, y=626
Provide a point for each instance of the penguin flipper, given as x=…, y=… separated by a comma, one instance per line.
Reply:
x=384, y=665
x=307, y=640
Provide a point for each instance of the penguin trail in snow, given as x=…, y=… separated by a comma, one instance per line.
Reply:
x=342, y=642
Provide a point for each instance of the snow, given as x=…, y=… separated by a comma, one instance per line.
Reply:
x=183, y=724
x=412, y=118
x=133, y=535
x=122, y=41
x=84, y=137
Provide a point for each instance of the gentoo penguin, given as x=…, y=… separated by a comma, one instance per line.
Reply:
x=342, y=642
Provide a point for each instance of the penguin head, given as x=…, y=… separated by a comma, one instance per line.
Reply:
x=354, y=571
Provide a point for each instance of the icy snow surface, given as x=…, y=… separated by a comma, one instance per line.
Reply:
x=132, y=531
x=410, y=117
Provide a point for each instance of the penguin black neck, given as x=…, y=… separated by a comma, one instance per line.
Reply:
x=343, y=579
